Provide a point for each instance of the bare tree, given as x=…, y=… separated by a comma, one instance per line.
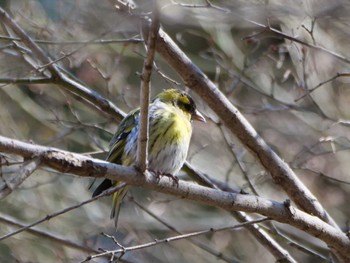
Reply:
x=271, y=160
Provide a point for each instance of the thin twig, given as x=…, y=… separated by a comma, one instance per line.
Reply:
x=70, y=53
x=52, y=215
x=268, y=28
x=323, y=175
x=29, y=80
x=59, y=76
x=132, y=40
x=45, y=234
x=262, y=236
x=27, y=40
x=338, y=75
x=201, y=245
x=142, y=143
x=207, y=4
x=296, y=243
x=175, y=238
x=24, y=172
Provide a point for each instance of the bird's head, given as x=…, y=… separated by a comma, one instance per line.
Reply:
x=181, y=100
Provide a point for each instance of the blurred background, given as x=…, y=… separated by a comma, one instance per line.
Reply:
x=263, y=73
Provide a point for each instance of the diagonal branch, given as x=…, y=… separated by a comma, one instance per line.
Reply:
x=109, y=191
x=174, y=238
x=59, y=76
x=38, y=51
x=24, y=172
x=280, y=254
x=199, y=244
x=281, y=173
x=5, y=219
x=268, y=28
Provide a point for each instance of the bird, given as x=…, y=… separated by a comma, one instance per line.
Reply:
x=170, y=115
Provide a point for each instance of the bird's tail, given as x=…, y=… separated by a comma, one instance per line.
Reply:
x=117, y=201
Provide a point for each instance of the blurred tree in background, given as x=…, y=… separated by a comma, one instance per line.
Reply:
x=283, y=64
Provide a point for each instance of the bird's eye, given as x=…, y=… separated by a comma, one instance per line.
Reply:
x=186, y=103
x=188, y=107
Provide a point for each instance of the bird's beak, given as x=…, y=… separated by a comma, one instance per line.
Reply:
x=198, y=116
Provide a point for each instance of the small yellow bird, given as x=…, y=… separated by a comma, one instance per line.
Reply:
x=170, y=116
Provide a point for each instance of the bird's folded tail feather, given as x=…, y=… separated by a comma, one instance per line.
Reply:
x=117, y=201
x=106, y=183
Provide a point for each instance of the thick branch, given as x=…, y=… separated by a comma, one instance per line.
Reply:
x=81, y=165
x=238, y=125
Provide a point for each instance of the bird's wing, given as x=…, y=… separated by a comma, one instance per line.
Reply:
x=119, y=140
x=117, y=145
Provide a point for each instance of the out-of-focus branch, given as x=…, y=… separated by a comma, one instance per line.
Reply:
x=282, y=174
x=58, y=76
x=268, y=28
x=309, y=91
x=123, y=250
x=133, y=40
x=81, y=165
x=24, y=172
x=199, y=244
x=142, y=142
x=27, y=41
x=5, y=219
x=89, y=96
x=280, y=254
x=109, y=191
x=275, y=31
x=25, y=80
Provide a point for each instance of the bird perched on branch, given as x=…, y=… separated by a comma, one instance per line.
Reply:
x=170, y=116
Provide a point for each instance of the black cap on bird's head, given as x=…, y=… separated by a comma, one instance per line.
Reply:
x=181, y=100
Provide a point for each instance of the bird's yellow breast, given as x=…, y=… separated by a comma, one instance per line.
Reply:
x=175, y=124
x=181, y=129
x=169, y=139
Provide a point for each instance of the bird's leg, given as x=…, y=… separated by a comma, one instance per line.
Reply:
x=160, y=174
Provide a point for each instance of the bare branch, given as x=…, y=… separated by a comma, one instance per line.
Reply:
x=262, y=236
x=201, y=245
x=27, y=40
x=5, y=219
x=79, y=91
x=175, y=238
x=81, y=165
x=207, y=4
x=24, y=172
x=50, y=216
x=142, y=142
x=268, y=28
x=58, y=75
x=338, y=75
x=132, y=40
x=25, y=80
x=282, y=174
